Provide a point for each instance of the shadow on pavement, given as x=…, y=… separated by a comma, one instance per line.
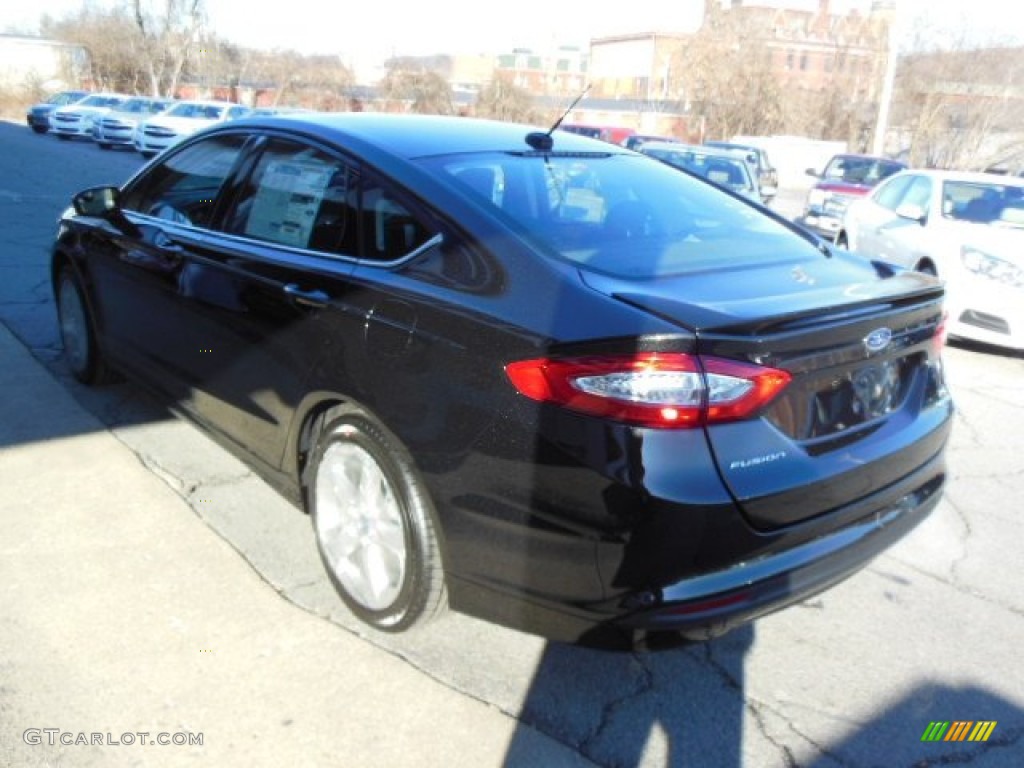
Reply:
x=678, y=707
x=894, y=736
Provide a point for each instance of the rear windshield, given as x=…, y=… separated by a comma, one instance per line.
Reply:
x=860, y=170
x=625, y=215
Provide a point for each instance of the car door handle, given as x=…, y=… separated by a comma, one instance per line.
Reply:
x=166, y=245
x=314, y=298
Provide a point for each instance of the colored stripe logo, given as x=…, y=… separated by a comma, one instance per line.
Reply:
x=959, y=730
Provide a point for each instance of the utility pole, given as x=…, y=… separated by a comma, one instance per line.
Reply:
x=888, y=81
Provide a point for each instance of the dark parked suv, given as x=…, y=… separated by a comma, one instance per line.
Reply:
x=535, y=377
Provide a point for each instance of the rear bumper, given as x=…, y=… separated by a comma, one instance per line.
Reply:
x=711, y=603
x=714, y=603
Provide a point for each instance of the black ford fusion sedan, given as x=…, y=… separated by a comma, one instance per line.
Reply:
x=530, y=376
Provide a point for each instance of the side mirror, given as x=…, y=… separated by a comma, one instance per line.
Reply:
x=812, y=172
x=99, y=202
x=911, y=211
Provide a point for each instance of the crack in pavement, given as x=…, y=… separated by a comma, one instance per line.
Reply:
x=964, y=542
x=611, y=707
x=962, y=589
x=757, y=709
x=749, y=703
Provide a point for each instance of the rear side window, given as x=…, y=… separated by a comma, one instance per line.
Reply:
x=391, y=230
x=184, y=187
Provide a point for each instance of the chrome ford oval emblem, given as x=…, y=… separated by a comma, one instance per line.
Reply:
x=877, y=340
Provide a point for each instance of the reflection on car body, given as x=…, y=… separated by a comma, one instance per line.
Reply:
x=534, y=377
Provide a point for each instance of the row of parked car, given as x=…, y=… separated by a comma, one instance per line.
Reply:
x=147, y=125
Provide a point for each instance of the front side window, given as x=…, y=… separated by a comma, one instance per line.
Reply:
x=184, y=187
x=625, y=215
x=890, y=193
x=918, y=193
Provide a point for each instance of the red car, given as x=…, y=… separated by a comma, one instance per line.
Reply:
x=614, y=134
x=845, y=178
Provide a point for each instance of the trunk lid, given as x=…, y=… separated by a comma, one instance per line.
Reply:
x=866, y=405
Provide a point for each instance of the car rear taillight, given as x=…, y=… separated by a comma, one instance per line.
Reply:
x=941, y=334
x=650, y=389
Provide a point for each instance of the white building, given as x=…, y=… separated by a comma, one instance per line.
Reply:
x=34, y=62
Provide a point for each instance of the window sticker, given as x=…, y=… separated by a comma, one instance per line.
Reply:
x=285, y=205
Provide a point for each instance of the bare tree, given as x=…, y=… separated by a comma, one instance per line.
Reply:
x=112, y=41
x=725, y=76
x=501, y=99
x=418, y=90
x=953, y=105
x=169, y=31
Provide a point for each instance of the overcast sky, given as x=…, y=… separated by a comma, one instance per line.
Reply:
x=360, y=30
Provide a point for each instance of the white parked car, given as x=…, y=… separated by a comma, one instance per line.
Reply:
x=76, y=120
x=117, y=127
x=181, y=120
x=967, y=228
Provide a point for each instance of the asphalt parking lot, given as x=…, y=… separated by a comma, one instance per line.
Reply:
x=929, y=632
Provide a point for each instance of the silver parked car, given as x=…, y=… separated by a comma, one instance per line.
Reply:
x=719, y=166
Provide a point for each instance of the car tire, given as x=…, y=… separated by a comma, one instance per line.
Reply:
x=842, y=242
x=77, y=332
x=102, y=145
x=63, y=137
x=147, y=153
x=374, y=523
x=40, y=128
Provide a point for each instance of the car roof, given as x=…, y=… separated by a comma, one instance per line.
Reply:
x=412, y=136
x=731, y=145
x=699, y=149
x=969, y=176
x=862, y=156
x=207, y=103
